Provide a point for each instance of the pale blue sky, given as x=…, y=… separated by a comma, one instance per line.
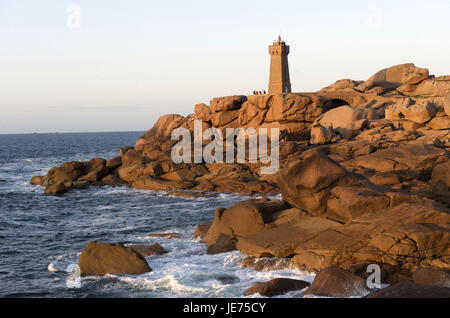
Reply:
x=132, y=61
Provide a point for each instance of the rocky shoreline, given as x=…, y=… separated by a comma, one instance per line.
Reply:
x=364, y=179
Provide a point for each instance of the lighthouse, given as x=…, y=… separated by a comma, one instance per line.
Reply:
x=279, y=81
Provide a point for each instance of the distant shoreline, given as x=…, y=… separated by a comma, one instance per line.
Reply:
x=74, y=132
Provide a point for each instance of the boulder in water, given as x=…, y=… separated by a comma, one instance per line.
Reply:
x=277, y=286
x=411, y=290
x=149, y=250
x=98, y=258
x=336, y=282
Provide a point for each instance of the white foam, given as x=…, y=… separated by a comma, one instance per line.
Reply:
x=167, y=283
x=51, y=268
x=105, y=207
x=187, y=271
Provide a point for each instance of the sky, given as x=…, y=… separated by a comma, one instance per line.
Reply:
x=113, y=65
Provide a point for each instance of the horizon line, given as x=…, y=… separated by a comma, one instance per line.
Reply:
x=71, y=132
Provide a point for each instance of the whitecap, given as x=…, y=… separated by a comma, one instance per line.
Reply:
x=51, y=268
x=166, y=283
x=105, y=207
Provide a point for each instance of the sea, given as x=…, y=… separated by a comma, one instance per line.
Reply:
x=41, y=236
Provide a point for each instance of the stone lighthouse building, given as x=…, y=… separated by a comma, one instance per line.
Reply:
x=279, y=81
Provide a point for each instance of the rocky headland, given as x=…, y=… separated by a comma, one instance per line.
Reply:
x=364, y=179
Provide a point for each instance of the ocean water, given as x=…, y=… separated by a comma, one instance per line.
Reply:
x=41, y=236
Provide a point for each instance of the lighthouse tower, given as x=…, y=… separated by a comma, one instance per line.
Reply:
x=279, y=81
